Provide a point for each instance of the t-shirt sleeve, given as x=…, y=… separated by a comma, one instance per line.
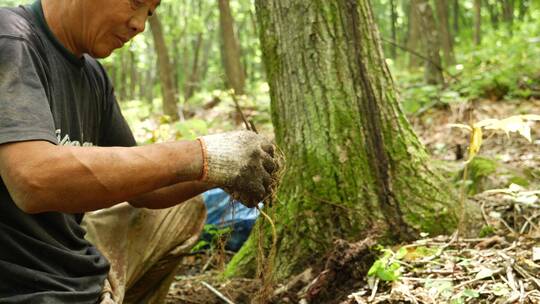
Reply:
x=115, y=131
x=25, y=113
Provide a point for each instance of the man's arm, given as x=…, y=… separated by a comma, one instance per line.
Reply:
x=43, y=177
x=170, y=196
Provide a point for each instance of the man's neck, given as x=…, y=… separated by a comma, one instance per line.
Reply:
x=58, y=15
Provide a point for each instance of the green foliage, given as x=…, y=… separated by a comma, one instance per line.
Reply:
x=151, y=126
x=519, y=180
x=4, y=3
x=503, y=67
x=479, y=169
x=486, y=230
x=464, y=296
x=216, y=235
x=387, y=267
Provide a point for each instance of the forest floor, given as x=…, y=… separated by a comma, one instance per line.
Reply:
x=501, y=265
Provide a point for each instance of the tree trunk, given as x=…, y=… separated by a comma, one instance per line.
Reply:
x=121, y=90
x=231, y=49
x=477, y=22
x=354, y=164
x=414, y=42
x=133, y=79
x=447, y=42
x=508, y=14
x=432, y=73
x=393, y=18
x=166, y=77
x=523, y=5
x=192, y=81
x=493, y=14
x=456, y=17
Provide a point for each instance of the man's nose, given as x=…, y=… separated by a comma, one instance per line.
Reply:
x=138, y=22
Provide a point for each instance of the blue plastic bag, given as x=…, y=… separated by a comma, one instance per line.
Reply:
x=224, y=212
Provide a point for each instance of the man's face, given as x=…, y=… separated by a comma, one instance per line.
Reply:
x=114, y=22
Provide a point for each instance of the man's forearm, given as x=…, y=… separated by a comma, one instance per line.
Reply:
x=170, y=196
x=43, y=177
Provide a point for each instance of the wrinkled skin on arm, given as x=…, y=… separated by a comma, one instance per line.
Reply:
x=44, y=177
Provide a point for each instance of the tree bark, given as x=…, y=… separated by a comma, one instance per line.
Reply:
x=231, y=49
x=166, y=77
x=477, y=22
x=432, y=73
x=354, y=164
x=414, y=41
x=393, y=18
x=446, y=39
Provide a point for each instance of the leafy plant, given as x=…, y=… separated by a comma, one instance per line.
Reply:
x=387, y=267
x=211, y=237
x=519, y=123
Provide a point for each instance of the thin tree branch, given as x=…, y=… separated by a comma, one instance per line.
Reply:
x=438, y=66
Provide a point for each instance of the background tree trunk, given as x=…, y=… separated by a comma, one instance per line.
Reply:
x=414, y=42
x=354, y=164
x=455, y=16
x=508, y=14
x=523, y=6
x=393, y=18
x=133, y=79
x=192, y=82
x=477, y=22
x=433, y=73
x=166, y=77
x=493, y=13
x=447, y=41
x=231, y=49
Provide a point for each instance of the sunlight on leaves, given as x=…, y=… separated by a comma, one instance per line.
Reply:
x=519, y=123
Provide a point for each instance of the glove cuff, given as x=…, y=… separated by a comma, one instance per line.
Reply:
x=204, y=175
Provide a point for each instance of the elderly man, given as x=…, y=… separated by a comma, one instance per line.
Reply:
x=65, y=149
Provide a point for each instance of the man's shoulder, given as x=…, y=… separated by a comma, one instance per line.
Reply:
x=13, y=24
x=94, y=67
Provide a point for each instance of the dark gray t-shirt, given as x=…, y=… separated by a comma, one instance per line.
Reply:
x=48, y=94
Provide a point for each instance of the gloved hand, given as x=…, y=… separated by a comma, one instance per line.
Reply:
x=240, y=162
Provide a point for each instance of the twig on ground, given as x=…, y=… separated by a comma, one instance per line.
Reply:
x=495, y=272
x=374, y=290
x=439, y=251
x=217, y=293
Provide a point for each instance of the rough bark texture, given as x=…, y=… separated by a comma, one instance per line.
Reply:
x=354, y=164
x=166, y=77
x=477, y=22
x=430, y=37
x=231, y=49
x=445, y=37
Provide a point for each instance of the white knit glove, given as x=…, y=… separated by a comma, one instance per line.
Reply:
x=241, y=162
